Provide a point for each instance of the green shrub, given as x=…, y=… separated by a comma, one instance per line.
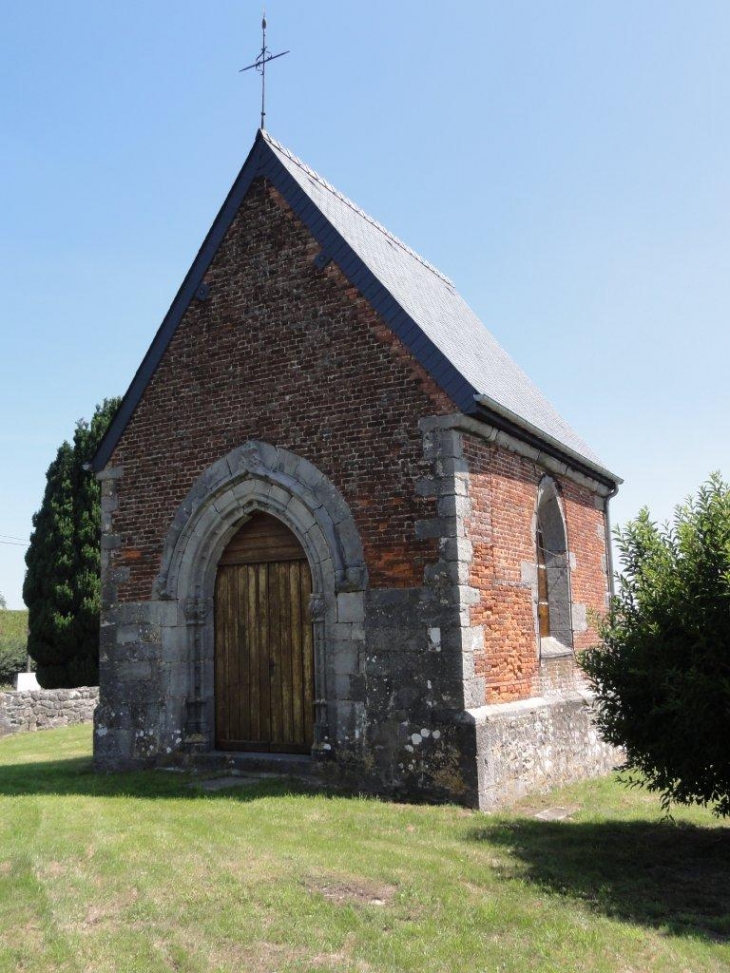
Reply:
x=662, y=674
x=13, y=644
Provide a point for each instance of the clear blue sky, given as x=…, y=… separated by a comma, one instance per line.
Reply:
x=566, y=163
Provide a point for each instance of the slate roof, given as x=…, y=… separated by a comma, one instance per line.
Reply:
x=419, y=303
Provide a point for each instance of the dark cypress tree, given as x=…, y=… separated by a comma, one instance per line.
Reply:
x=83, y=668
x=48, y=587
x=62, y=586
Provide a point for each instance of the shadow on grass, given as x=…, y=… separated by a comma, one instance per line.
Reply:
x=675, y=878
x=76, y=776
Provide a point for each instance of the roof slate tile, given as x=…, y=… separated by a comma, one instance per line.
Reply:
x=431, y=300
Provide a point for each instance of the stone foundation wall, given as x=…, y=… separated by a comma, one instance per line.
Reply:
x=45, y=709
x=533, y=745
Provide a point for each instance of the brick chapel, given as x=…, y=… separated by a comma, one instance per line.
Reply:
x=343, y=533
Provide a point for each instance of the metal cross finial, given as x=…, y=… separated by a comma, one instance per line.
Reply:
x=260, y=65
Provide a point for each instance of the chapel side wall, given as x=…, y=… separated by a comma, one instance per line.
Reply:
x=503, y=489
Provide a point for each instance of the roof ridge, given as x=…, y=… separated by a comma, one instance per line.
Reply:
x=353, y=206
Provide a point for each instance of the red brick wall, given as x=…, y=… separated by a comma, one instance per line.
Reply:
x=503, y=492
x=294, y=356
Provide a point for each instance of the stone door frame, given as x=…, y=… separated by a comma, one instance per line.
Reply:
x=259, y=477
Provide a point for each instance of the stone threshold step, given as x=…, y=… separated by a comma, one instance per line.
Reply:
x=224, y=783
x=273, y=764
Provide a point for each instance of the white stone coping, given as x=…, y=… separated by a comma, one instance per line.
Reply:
x=520, y=707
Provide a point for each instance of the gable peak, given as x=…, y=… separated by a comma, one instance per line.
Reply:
x=394, y=240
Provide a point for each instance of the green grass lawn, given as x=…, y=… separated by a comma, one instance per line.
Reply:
x=140, y=872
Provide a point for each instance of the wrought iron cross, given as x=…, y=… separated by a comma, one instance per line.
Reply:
x=260, y=64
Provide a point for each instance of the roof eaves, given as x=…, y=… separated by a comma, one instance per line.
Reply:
x=533, y=434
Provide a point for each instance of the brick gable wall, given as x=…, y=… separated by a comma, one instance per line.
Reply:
x=285, y=353
x=503, y=493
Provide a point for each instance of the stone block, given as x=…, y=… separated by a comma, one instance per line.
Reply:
x=350, y=607
x=300, y=515
x=472, y=638
x=579, y=617
x=452, y=505
x=345, y=657
x=327, y=494
x=429, y=486
x=110, y=473
x=528, y=573
x=342, y=686
x=139, y=673
x=451, y=445
x=435, y=527
x=227, y=504
x=350, y=543
x=451, y=467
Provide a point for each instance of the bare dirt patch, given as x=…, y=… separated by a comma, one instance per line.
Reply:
x=542, y=807
x=348, y=890
x=52, y=869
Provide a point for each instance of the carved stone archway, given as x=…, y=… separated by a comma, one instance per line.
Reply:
x=253, y=477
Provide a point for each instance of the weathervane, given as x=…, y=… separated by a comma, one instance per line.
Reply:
x=260, y=65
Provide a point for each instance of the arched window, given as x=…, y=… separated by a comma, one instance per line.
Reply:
x=553, y=576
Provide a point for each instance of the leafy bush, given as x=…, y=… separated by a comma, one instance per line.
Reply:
x=662, y=674
x=13, y=644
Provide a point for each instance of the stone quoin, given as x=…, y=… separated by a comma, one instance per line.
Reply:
x=339, y=522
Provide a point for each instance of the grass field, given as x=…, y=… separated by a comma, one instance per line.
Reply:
x=140, y=872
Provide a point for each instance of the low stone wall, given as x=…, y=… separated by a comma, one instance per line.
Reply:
x=44, y=709
x=536, y=744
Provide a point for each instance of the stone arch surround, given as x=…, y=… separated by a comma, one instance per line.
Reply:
x=177, y=698
x=550, y=517
x=260, y=476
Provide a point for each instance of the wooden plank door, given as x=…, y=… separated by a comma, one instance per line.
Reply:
x=264, y=652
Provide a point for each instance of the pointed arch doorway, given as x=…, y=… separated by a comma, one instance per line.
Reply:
x=264, y=653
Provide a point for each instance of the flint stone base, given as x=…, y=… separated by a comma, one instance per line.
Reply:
x=534, y=745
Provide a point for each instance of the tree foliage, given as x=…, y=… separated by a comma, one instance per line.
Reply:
x=662, y=672
x=13, y=643
x=62, y=587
